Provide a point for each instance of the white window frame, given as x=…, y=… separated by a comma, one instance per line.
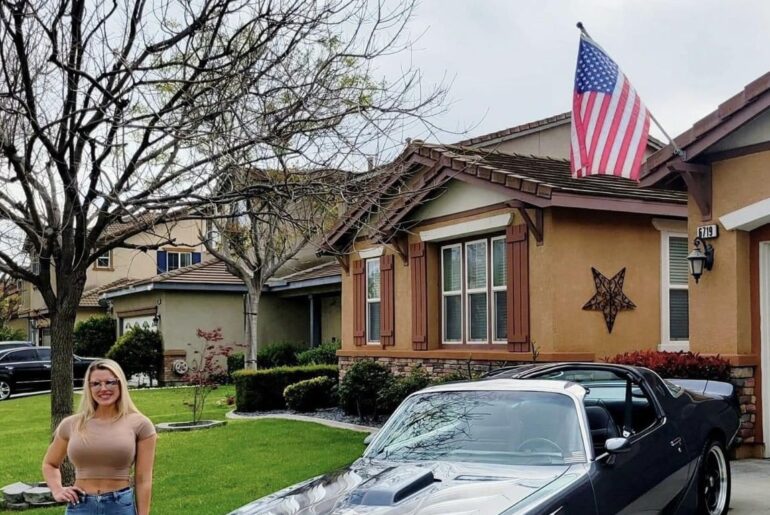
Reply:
x=179, y=254
x=503, y=288
x=97, y=266
x=451, y=293
x=469, y=291
x=370, y=301
x=666, y=344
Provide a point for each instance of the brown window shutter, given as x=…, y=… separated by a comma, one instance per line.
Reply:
x=359, y=302
x=387, y=301
x=517, y=251
x=418, y=263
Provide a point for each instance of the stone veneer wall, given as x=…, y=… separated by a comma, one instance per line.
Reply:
x=169, y=356
x=742, y=377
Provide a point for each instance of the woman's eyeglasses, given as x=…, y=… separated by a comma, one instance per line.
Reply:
x=111, y=384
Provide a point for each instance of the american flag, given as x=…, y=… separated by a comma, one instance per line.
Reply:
x=610, y=124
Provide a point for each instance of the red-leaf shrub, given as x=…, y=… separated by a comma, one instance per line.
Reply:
x=677, y=365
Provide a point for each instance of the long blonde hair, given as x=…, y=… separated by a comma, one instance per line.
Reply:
x=87, y=408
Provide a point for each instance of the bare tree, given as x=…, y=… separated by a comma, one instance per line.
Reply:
x=130, y=110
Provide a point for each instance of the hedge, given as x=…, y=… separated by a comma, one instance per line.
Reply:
x=262, y=390
x=311, y=394
x=677, y=365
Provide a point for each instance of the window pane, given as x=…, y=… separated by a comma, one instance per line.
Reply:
x=499, y=265
x=501, y=315
x=373, y=322
x=477, y=310
x=453, y=318
x=677, y=258
x=173, y=260
x=451, y=262
x=373, y=279
x=185, y=259
x=679, y=319
x=477, y=264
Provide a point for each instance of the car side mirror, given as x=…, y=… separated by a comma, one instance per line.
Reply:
x=617, y=445
x=370, y=437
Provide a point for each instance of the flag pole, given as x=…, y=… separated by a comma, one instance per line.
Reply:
x=678, y=151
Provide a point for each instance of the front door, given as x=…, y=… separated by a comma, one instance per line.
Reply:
x=764, y=321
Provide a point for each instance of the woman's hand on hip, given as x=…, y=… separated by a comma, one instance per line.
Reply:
x=70, y=494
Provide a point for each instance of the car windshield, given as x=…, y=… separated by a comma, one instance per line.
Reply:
x=502, y=427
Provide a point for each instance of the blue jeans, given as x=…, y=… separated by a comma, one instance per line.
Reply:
x=119, y=502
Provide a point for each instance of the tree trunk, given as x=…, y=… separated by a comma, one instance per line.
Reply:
x=252, y=314
x=62, y=346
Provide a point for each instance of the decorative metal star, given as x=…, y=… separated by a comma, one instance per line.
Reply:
x=609, y=297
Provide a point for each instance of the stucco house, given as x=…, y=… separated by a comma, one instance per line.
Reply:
x=481, y=253
x=725, y=168
x=302, y=308
x=117, y=267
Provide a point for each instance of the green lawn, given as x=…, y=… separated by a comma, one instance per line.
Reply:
x=201, y=472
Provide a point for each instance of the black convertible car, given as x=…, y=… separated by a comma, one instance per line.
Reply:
x=29, y=369
x=570, y=438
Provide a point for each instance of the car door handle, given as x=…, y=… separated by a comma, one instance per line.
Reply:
x=677, y=442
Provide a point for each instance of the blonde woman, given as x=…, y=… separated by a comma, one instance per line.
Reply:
x=103, y=440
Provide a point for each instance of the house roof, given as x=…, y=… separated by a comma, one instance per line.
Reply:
x=534, y=181
x=145, y=220
x=325, y=274
x=729, y=116
x=209, y=275
x=527, y=128
x=90, y=297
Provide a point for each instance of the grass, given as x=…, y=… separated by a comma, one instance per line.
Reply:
x=199, y=472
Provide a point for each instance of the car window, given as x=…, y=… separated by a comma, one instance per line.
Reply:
x=44, y=354
x=19, y=355
x=500, y=427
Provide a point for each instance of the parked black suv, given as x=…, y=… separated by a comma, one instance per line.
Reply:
x=29, y=369
x=8, y=345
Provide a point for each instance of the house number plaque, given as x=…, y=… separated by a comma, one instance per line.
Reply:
x=706, y=232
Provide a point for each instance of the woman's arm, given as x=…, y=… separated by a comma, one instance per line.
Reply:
x=145, y=458
x=51, y=463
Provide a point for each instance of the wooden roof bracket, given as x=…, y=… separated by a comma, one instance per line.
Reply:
x=534, y=221
x=401, y=246
x=344, y=261
x=698, y=180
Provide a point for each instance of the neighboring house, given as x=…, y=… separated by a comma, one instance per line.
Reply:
x=726, y=170
x=116, y=267
x=473, y=254
x=301, y=308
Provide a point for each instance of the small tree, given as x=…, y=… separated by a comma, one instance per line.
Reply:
x=207, y=370
x=95, y=336
x=8, y=334
x=140, y=350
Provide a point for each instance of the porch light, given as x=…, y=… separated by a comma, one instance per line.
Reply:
x=702, y=256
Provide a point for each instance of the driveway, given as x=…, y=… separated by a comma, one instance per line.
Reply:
x=751, y=487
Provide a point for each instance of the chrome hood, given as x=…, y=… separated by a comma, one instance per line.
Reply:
x=428, y=488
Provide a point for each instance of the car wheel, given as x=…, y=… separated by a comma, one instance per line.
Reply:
x=714, y=480
x=5, y=389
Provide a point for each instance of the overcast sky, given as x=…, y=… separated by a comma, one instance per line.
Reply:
x=511, y=62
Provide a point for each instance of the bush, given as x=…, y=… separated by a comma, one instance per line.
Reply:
x=95, y=336
x=402, y=387
x=11, y=335
x=235, y=362
x=311, y=394
x=360, y=389
x=282, y=354
x=139, y=350
x=677, y=365
x=324, y=354
x=261, y=390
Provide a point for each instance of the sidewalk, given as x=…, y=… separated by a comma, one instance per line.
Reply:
x=750, y=492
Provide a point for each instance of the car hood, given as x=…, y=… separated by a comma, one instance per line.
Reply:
x=440, y=488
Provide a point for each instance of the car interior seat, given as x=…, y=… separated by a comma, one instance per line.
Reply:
x=602, y=427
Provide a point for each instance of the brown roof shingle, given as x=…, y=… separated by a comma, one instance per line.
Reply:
x=736, y=110
x=90, y=298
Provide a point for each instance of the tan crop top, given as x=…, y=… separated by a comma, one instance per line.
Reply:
x=109, y=448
